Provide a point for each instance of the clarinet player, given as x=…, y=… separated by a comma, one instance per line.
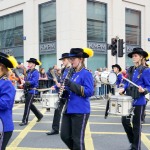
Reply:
x=57, y=113
x=77, y=109
x=138, y=74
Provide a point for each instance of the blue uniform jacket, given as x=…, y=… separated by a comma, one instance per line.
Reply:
x=119, y=80
x=33, y=79
x=7, y=96
x=81, y=104
x=143, y=81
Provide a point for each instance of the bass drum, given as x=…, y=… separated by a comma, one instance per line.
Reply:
x=108, y=77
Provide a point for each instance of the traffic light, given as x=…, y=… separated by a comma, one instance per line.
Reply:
x=120, y=47
x=113, y=46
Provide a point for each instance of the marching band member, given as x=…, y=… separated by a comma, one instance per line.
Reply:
x=30, y=84
x=138, y=74
x=57, y=113
x=7, y=96
x=117, y=69
x=144, y=107
x=77, y=109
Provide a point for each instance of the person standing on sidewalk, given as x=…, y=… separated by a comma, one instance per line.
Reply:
x=30, y=84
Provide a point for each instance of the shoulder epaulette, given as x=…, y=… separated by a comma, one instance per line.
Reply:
x=87, y=69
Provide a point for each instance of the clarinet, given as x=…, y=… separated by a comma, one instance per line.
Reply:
x=68, y=76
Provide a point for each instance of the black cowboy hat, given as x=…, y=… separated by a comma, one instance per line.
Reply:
x=138, y=50
x=64, y=55
x=81, y=52
x=35, y=61
x=8, y=61
x=117, y=66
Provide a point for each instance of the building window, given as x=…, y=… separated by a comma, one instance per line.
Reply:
x=133, y=27
x=11, y=30
x=96, y=21
x=47, y=22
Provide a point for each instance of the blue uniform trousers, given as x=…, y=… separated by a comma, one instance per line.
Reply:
x=29, y=105
x=73, y=129
x=57, y=116
x=5, y=139
x=134, y=132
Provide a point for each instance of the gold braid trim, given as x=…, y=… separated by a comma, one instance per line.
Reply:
x=82, y=90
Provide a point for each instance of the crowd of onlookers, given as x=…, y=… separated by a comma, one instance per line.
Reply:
x=101, y=90
x=47, y=78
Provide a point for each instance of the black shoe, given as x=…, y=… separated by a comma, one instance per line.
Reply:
x=39, y=119
x=52, y=132
x=23, y=124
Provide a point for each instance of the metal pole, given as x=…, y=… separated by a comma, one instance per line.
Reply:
x=117, y=49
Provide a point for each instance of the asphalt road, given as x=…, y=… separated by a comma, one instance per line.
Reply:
x=101, y=134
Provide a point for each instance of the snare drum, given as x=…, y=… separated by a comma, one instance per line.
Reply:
x=120, y=105
x=108, y=77
x=19, y=95
x=49, y=100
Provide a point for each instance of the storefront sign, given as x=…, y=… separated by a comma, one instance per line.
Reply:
x=98, y=47
x=8, y=51
x=15, y=51
x=129, y=48
x=47, y=48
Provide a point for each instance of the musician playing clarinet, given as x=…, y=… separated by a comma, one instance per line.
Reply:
x=7, y=96
x=138, y=74
x=77, y=109
x=57, y=113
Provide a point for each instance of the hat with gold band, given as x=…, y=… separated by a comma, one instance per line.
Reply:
x=81, y=52
x=35, y=61
x=8, y=60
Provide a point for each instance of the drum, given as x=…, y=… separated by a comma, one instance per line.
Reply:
x=120, y=105
x=19, y=95
x=49, y=100
x=108, y=77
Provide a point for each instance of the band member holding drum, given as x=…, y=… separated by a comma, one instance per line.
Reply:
x=77, y=109
x=7, y=96
x=30, y=84
x=139, y=75
x=117, y=69
x=57, y=113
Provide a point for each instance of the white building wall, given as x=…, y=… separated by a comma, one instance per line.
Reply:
x=72, y=23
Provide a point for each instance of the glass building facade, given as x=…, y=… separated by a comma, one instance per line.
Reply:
x=11, y=34
x=132, y=31
x=47, y=33
x=97, y=34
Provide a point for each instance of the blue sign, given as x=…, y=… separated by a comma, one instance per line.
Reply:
x=149, y=39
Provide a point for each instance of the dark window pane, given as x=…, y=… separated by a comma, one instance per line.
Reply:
x=133, y=27
x=48, y=22
x=96, y=22
x=11, y=30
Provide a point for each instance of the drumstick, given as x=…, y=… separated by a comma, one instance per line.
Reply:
x=42, y=90
x=130, y=82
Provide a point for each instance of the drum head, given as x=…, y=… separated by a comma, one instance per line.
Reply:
x=112, y=78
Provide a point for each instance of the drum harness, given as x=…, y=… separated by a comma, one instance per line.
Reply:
x=134, y=94
x=132, y=90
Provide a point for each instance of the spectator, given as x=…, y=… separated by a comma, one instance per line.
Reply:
x=43, y=75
